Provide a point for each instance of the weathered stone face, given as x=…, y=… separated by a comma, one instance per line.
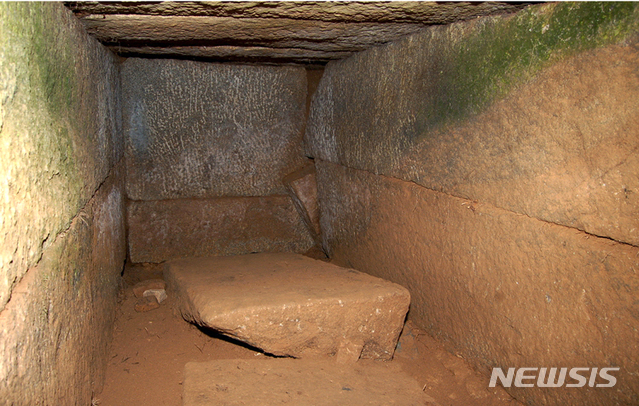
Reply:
x=467, y=109
x=297, y=306
x=59, y=126
x=515, y=221
x=284, y=32
x=504, y=289
x=61, y=218
x=56, y=328
x=165, y=229
x=209, y=130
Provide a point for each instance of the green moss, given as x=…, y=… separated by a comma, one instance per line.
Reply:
x=49, y=124
x=53, y=62
x=37, y=42
x=499, y=54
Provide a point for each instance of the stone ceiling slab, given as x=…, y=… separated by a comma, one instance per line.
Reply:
x=276, y=32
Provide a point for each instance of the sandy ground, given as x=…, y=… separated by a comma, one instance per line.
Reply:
x=149, y=351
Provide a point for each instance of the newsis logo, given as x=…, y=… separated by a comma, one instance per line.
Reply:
x=531, y=377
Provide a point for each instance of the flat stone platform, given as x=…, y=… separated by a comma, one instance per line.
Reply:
x=262, y=382
x=291, y=305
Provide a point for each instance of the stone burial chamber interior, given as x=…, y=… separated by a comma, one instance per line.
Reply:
x=480, y=160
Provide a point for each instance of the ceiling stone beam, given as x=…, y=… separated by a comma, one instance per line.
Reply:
x=340, y=11
x=268, y=31
x=234, y=53
x=276, y=32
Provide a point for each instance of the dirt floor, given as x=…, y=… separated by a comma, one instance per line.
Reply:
x=150, y=349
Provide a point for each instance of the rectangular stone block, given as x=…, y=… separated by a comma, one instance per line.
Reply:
x=206, y=130
x=299, y=382
x=166, y=229
x=502, y=289
x=290, y=305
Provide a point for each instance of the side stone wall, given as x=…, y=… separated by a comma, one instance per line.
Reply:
x=492, y=168
x=210, y=131
x=532, y=113
x=62, y=244
x=57, y=327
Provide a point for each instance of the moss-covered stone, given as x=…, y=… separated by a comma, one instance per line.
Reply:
x=61, y=234
x=493, y=55
x=535, y=113
x=515, y=119
x=450, y=73
x=59, y=128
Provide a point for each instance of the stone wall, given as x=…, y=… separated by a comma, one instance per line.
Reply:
x=491, y=167
x=58, y=324
x=161, y=229
x=210, y=131
x=62, y=230
x=445, y=110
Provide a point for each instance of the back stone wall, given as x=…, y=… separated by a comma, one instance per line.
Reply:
x=211, y=131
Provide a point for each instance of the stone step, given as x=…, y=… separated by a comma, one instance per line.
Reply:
x=299, y=382
x=291, y=305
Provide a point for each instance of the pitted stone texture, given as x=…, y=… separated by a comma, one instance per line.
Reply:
x=208, y=130
x=302, y=187
x=299, y=382
x=166, y=229
x=288, y=304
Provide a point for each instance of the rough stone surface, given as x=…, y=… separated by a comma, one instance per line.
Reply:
x=316, y=253
x=349, y=352
x=299, y=32
x=135, y=273
x=167, y=229
x=159, y=294
x=396, y=11
x=532, y=113
x=143, y=286
x=205, y=130
x=499, y=288
x=299, y=382
x=55, y=330
x=288, y=304
x=59, y=129
x=146, y=304
x=277, y=33
x=302, y=187
x=61, y=225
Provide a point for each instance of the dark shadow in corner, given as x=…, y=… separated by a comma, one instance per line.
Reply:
x=220, y=336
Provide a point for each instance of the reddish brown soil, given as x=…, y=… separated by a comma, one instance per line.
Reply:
x=149, y=351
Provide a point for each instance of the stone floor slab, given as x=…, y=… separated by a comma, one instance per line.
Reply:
x=290, y=305
x=262, y=382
